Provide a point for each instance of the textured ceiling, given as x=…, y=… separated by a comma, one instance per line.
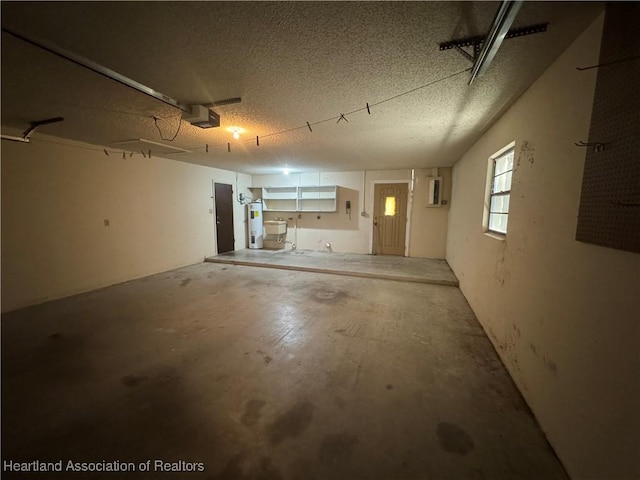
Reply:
x=291, y=62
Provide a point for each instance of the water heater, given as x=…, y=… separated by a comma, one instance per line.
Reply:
x=256, y=226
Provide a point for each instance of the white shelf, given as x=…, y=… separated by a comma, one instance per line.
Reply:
x=324, y=192
x=312, y=198
x=280, y=193
x=316, y=205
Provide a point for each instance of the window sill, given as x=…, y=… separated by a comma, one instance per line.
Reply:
x=497, y=236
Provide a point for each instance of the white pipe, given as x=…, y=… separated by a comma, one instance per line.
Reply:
x=363, y=213
x=295, y=234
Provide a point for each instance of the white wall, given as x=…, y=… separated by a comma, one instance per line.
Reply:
x=55, y=199
x=345, y=233
x=563, y=315
x=428, y=226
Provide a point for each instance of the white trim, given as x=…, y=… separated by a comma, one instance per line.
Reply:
x=495, y=235
x=214, y=215
x=503, y=150
x=487, y=189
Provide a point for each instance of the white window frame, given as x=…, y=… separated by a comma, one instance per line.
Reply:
x=489, y=194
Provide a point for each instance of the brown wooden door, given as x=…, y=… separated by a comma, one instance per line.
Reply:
x=390, y=218
x=224, y=217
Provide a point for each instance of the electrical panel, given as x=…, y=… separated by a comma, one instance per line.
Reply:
x=434, y=193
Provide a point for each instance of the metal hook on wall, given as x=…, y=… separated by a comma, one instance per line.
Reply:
x=606, y=64
x=597, y=146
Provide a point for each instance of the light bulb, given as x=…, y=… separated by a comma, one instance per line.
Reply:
x=285, y=171
x=236, y=135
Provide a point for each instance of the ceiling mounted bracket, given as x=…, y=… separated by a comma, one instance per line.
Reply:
x=27, y=133
x=505, y=16
x=477, y=41
x=226, y=101
x=467, y=55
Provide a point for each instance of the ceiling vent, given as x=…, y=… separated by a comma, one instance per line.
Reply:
x=202, y=117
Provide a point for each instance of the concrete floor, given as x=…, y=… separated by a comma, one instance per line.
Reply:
x=420, y=270
x=265, y=374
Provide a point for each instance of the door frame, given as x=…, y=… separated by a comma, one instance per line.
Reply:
x=371, y=203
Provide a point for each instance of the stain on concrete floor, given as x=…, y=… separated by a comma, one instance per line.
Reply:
x=454, y=439
x=328, y=296
x=251, y=413
x=337, y=448
x=291, y=423
x=359, y=388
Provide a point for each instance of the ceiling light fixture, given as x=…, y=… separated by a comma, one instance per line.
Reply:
x=236, y=131
x=286, y=171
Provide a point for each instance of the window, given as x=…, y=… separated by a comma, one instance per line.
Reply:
x=501, y=167
x=390, y=207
